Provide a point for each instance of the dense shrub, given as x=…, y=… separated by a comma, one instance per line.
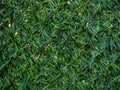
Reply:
x=59, y=45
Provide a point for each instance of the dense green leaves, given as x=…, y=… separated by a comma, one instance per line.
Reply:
x=59, y=44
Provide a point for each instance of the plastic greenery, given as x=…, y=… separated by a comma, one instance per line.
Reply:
x=59, y=45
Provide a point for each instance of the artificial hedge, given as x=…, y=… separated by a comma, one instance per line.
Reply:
x=59, y=45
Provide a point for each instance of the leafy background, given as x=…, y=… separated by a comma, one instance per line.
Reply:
x=59, y=44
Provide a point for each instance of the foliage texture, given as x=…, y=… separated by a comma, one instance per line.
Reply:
x=59, y=45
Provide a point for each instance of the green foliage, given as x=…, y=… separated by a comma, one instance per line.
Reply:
x=59, y=45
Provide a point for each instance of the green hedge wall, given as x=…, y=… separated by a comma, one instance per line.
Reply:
x=59, y=44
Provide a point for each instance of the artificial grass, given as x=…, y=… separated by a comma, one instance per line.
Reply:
x=59, y=45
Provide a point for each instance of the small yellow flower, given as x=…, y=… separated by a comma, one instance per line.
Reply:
x=16, y=33
x=87, y=24
x=111, y=26
x=68, y=2
x=55, y=57
x=9, y=25
x=79, y=14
